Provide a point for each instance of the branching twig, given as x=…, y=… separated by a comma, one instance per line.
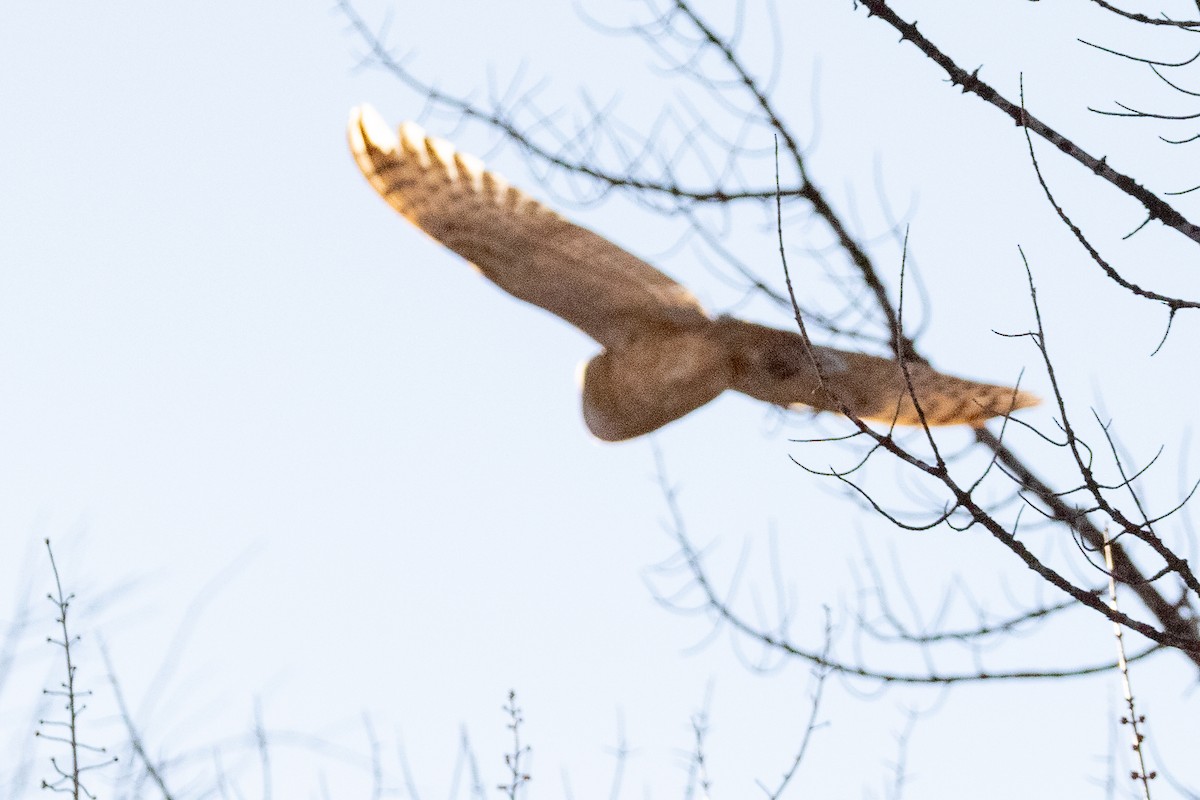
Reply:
x=820, y=673
x=517, y=775
x=1155, y=206
x=68, y=780
x=1134, y=720
x=1144, y=19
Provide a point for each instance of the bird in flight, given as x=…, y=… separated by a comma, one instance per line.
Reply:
x=663, y=355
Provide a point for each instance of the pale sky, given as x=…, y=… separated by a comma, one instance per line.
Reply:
x=243, y=392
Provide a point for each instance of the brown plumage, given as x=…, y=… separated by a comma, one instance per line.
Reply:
x=663, y=355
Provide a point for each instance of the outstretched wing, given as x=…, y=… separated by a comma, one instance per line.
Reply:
x=876, y=389
x=777, y=367
x=521, y=245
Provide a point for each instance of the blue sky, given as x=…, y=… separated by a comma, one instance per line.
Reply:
x=227, y=360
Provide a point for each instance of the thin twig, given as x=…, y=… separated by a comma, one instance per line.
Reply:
x=1134, y=721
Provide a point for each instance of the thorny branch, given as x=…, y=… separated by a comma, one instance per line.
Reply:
x=1155, y=206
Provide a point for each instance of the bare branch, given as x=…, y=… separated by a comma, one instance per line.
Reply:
x=1156, y=207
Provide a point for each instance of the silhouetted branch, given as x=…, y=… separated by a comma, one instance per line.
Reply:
x=1173, y=304
x=1144, y=19
x=691, y=559
x=1155, y=206
x=963, y=499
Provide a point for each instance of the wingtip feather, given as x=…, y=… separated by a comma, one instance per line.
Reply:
x=367, y=129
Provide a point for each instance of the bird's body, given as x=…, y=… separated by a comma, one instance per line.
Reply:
x=664, y=356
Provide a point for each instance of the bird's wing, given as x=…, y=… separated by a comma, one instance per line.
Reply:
x=877, y=389
x=521, y=245
x=776, y=366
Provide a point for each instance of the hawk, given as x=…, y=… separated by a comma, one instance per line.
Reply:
x=663, y=355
